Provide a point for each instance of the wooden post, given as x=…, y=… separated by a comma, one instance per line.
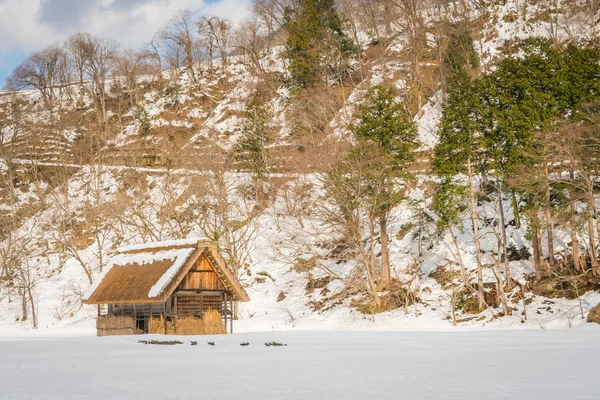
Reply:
x=165, y=315
x=202, y=305
x=175, y=313
x=231, y=319
x=134, y=320
x=224, y=310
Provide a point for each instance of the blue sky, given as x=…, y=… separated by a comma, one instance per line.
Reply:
x=8, y=61
x=30, y=25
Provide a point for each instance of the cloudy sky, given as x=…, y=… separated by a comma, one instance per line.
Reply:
x=30, y=25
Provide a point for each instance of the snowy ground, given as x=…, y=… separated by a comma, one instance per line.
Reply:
x=541, y=364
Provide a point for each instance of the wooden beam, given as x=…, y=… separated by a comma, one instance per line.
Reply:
x=231, y=319
x=202, y=305
x=187, y=293
x=165, y=315
x=224, y=310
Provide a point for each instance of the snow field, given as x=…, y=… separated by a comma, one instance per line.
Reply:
x=543, y=364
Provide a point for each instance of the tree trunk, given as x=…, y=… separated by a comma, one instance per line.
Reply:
x=500, y=287
x=463, y=270
x=372, y=262
x=591, y=230
x=475, y=222
x=504, y=239
x=32, y=303
x=572, y=222
x=81, y=90
x=24, y=311
x=536, y=244
x=549, y=221
x=385, y=251
x=515, y=206
x=371, y=286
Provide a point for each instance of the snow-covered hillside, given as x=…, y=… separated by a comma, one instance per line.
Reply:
x=81, y=208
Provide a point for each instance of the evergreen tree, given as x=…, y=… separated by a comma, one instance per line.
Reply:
x=523, y=96
x=460, y=52
x=385, y=125
x=386, y=122
x=251, y=148
x=459, y=148
x=460, y=126
x=314, y=27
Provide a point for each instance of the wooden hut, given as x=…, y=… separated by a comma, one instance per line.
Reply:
x=172, y=287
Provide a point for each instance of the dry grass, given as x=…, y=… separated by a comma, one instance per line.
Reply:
x=190, y=326
x=594, y=315
x=211, y=325
x=129, y=283
x=112, y=325
x=157, y=325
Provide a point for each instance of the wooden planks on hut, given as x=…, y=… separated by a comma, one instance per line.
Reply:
x=112, y=325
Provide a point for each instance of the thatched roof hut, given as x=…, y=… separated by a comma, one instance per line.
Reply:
x=167, y=279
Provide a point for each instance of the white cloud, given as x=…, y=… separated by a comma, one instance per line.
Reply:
x=29, y=25
x=19, y=28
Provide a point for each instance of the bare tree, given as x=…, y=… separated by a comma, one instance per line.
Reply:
x=42, y=71
x=13, y=128
x=154, y=52
x=178, y=37
x=272, y=14
x=224, y=211
x=102, y=55
x=217, y=31
x=129, y=65
x=249, y=45
x=412, y=23
x=359, y=188
x=20, y=270
x=78, y=46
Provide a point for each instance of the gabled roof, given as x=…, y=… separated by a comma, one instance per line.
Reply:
x=149, y=273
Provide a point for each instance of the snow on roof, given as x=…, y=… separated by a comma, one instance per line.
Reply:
x=143, y=273
x=165, y=243
x=175, y=259
x=180, y=259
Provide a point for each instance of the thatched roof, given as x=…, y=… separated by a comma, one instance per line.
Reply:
x=149, y=273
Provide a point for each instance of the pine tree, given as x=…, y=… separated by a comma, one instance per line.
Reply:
x=251, y=148
x=384, y=124
x=524, y=96
x=459, y=148
x=460, y=53
x=314, y=28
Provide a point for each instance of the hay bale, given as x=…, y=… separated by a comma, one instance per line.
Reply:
x=594, y=315
x=113, y=325
x=189, y=326
x=157, y=325
x=213, y=324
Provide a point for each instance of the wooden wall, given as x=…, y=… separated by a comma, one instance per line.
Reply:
x=201, y=277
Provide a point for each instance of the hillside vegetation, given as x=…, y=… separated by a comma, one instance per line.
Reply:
x=361, y=163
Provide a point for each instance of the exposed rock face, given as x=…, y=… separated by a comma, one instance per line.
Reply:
x=594, y=315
